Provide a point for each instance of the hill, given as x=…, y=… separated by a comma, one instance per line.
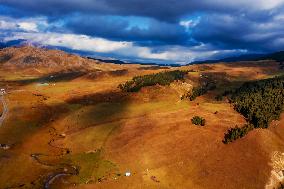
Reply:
x=73, y=122
x=26, y=56
x=248, y=57
x=277, y=56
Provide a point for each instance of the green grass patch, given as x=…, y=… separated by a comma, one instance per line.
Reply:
x=92, y=166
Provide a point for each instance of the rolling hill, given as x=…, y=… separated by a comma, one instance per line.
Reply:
x=74, y=122
x=277, y=56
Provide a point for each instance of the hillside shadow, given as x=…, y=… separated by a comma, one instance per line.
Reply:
x=65, y=76
x=224, y=85
x=53, y=77
x=94, y=109
x=153, y=68
x=102, y=97
x=99, y=74
x=250, y=64
x=117, y=73
x=23, y=122
x=104, y=107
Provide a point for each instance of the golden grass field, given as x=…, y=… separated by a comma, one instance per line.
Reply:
x=85, y=121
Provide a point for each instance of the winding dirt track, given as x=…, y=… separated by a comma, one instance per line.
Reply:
x=67, y=169
x=5, y=109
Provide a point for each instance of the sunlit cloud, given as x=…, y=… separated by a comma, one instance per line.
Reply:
x=28, y=26
x=148, y=30
x=100, y=45
x=191, y=23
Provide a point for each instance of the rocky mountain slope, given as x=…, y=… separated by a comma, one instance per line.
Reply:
x=36, y=57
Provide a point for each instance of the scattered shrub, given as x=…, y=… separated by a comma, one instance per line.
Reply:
x=162, y=78
x=196, y=120
x=237, y=132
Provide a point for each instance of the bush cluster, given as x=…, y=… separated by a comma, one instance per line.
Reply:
x=237, y=132
x=196, y=120
x=162, y=78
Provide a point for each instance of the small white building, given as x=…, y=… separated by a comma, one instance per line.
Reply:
x=127, y=174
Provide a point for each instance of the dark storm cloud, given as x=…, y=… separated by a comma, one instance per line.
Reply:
x=224, y=26
x=168, y=10
x=164, y=10
x=155, y=32
x=231, y=32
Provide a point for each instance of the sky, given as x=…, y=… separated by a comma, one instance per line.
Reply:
x=154, y=31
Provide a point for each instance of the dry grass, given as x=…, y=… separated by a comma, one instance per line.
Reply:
x=148, y=133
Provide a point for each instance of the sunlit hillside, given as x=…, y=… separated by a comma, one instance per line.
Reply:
x=72, y=122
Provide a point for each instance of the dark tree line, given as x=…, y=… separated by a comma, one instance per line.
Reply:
x=162, y=78
x=198, y=91
x=219, y=97
x=259, y=102
x=206, y=86
x=281, y=65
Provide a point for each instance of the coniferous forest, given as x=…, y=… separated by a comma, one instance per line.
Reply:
x=259, y=102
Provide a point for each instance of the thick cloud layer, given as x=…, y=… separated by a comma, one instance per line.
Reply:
x=170, y=30
x=160, y=9
x=154, y=32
